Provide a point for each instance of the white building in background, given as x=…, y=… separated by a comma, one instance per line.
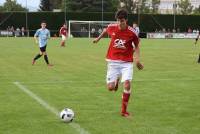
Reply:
x=166, y=6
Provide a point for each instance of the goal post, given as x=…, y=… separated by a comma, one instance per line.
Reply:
x=86, y=29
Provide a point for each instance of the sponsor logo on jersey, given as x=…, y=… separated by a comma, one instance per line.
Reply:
x=119, y=43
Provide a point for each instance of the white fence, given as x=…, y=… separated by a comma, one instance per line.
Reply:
x=171, y=35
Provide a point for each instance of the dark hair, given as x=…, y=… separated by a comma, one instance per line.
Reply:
x=43, y=21
x=121, y=14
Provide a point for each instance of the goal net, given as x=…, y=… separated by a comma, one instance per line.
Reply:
x=87, y=29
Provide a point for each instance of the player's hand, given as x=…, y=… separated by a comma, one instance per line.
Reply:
x=96, y=40
x=139, y=65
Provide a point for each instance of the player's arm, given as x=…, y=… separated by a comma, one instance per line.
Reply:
x=137, y=57
x=49, y=35
x=100, y=36
x=36, y=36
x=60, y=32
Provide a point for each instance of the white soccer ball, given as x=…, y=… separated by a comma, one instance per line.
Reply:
x=67, y=115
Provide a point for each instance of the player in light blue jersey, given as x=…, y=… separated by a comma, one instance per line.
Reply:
x=41, y=36
x=136, y=28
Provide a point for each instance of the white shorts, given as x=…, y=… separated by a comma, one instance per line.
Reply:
x=119, y=69
x=63, y=37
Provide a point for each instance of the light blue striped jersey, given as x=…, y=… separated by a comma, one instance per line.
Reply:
x=43, y=35
x=137, y=30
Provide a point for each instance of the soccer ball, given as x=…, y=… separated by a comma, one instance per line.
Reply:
x=67, y=115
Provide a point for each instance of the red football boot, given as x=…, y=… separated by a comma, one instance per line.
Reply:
x=125, y=114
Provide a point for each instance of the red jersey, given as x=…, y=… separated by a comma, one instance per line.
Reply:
x=121, y=48
x=63, y=31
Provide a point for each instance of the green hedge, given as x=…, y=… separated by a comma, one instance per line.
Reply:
x=148, y=23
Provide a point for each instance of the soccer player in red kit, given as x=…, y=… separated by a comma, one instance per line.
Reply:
x=120, y=56
x=63, y=33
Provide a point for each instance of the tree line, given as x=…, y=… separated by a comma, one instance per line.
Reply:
x=142, y=6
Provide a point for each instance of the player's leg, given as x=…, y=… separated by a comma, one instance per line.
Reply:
x=113, y=86
x=37, y=56
x=196, y=40
x=127, y=73
x=112, y=77
x=45, y=56
x=63, y=41
x=117, y=83
x=125, y=98
x=46, y=59
x=199, y=59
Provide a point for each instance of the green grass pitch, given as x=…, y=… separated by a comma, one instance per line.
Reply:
x=165, y=97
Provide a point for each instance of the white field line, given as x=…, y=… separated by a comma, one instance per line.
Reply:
x=76, y=126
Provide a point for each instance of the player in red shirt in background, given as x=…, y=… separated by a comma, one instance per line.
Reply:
x=120, y=56
x=63, y=34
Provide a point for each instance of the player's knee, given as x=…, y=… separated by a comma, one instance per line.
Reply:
x=111, y=86
x=127, y=85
